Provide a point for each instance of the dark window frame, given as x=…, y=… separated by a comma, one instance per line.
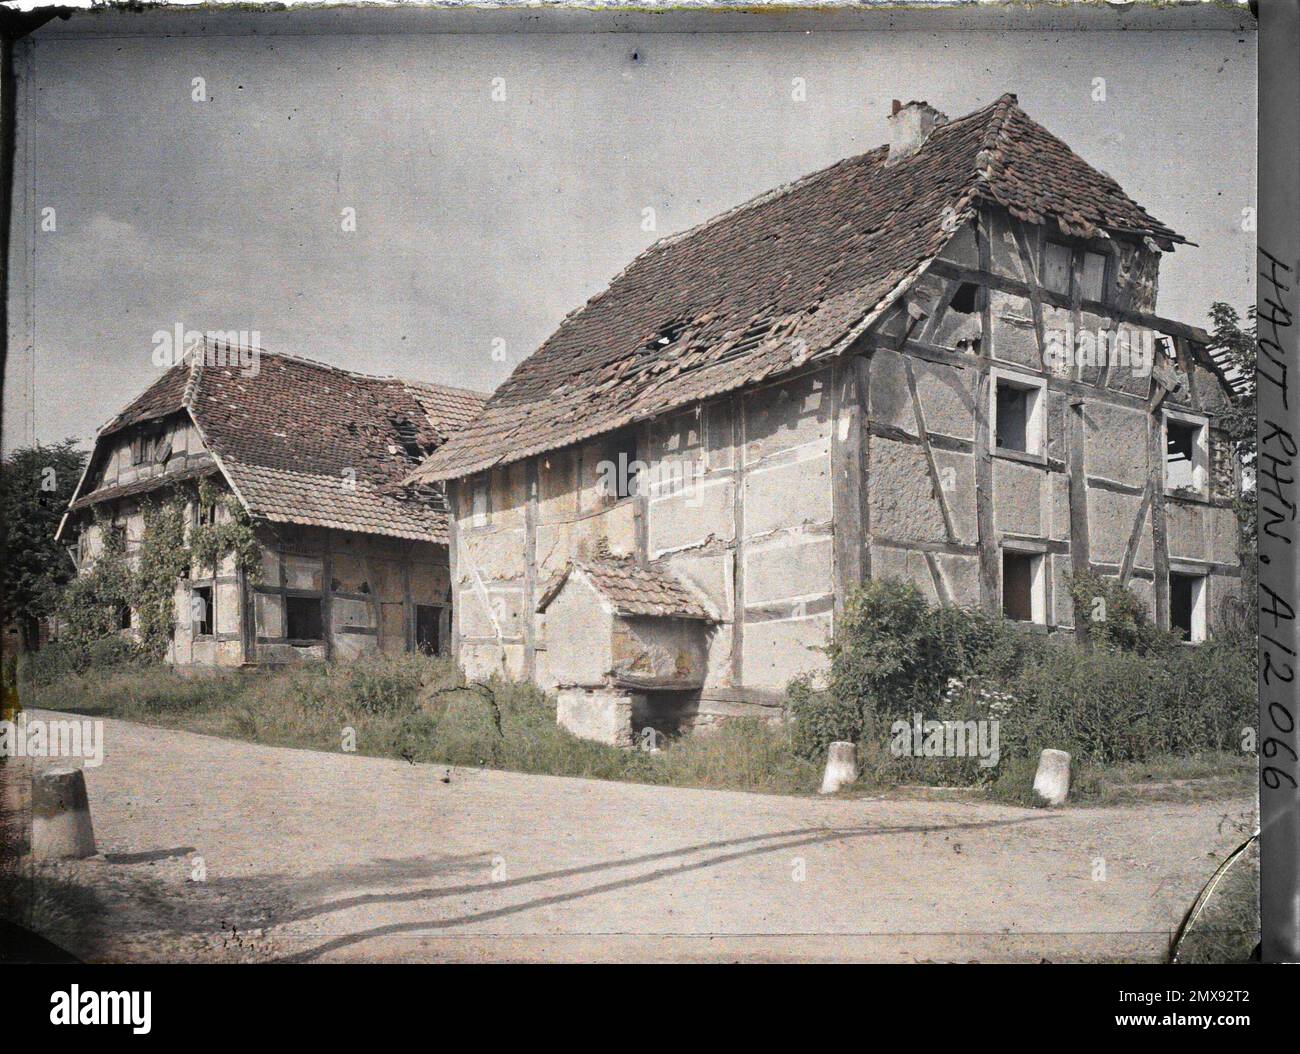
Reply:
x=434, y=617
x=1078, y=250
x=204, y=515
x=1187, y=589
x=1032, y=390
x=144, y=445
x=1196, y=450
x=315, y=619
x=1070, y=249
x=1106, y=258
x=626, y=442
x=1031, y=570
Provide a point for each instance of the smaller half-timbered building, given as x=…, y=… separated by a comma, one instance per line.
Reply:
x=350, y=562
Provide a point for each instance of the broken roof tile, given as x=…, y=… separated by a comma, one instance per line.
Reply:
x=632, y=589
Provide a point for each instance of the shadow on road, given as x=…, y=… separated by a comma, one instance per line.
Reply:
x=152, y=856
x=733, y=849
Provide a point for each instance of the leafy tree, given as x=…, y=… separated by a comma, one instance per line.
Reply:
x=36, y=484
x=1238, y=347
x=1236, y=340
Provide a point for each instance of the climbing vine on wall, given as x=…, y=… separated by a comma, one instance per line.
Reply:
x=210, y=541
x=163, y=558
x=94, y=602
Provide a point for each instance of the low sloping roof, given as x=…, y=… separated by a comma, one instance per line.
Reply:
x=793, y=275
x=308, y=443
x=196, y=469
x=632, y=589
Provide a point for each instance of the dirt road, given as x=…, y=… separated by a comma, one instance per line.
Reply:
x=221, y=850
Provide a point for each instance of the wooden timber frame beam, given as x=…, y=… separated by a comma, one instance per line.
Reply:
x=1006, y=284
x=1194, y=337
x=990, y=571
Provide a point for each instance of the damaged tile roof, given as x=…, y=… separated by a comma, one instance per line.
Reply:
x=794, y=275
x=307, y=443
x=632, y=589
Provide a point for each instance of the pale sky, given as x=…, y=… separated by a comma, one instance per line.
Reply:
x=483, y=221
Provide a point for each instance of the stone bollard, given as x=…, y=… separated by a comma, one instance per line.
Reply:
x=1052, y=782
x=841, y=767
x=61, y=827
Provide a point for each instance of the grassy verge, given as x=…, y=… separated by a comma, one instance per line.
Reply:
x=1165, y=778
x=419, y=709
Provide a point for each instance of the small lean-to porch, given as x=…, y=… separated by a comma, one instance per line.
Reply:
x=627, y=645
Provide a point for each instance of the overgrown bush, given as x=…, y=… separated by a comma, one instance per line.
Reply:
x=1109, y=705
x=1115, y=617
x=1135, y=694
x=390, y=687
x=91, y=605
x=63, y=659
x=895, y=654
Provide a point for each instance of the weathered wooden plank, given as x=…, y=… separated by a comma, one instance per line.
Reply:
x=408, y=601
x=738, y=440
x=1115, y=487
x=451, y=488
x=862, y=391
x=1159, y=537
x=894, y=434
x=247, y=617
x=950, y=548
x=1184, y=356
x=931, y=324
x=1037, y=543
x=1027, y=261
x=1006, y=284
x=1080, y=544
x=936, y=579
x=1135, y=537
x=846, y=479
x=990, y=572
x=530, y=564
x=1065, y=385
x=641, y=508
x=326, y=595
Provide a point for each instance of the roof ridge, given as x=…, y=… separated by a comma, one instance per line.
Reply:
x=785, y=188
x=194, y=380
x=303, y=360
x=444, y=387
x=1002, y=108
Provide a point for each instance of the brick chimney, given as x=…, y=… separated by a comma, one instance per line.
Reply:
x=910, y=125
